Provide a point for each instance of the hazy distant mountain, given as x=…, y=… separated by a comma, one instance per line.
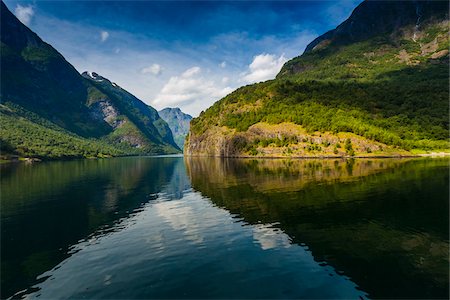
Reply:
x=49, y=110
x=375, y=85
x=178, y=123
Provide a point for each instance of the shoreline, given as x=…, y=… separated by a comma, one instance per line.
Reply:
x=433, y=154
x=31, y=160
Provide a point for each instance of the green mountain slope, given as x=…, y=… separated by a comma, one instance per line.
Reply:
x=133, y=121
x=32, y=136
x=376, y=85
x=38, y=78
x=42, y=90
x=178, y=123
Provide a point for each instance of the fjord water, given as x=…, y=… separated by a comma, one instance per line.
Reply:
x=174, y=227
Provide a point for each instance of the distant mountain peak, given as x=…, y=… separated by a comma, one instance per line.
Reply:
x=178, y=123
x=174, y=110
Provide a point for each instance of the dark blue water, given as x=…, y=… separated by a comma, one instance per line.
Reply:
x=171, y=227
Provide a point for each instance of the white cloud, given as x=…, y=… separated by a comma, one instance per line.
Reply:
x=24, y=13
x=191, y=72
x=223, y=64
x=225, y=79
x=263, y=67
x=104, y=35
x=191, y=89
x=74, y=41
x=154, y=69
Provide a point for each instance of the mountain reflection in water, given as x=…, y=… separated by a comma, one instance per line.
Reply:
x=382, y=222
x=173, y=227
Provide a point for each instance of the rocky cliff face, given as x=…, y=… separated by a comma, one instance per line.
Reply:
x=284, y=140
x=178, y=123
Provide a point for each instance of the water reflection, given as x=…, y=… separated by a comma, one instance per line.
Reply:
x=270, y=237
x=212, y=228
x=384, y=223
x=47, y=207
x=212, y=255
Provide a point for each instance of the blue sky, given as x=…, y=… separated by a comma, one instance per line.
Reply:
x=179, y=53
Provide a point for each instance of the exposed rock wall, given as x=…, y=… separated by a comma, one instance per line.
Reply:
x=283, y=140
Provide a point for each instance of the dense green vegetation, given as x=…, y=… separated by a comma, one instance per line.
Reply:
x=387, y=89
x=26, y=134
x=29, y=137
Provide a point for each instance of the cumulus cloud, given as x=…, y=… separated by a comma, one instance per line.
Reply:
x=104, y=35
x=190, y=87
x=263, y=67
x=154, y=69
x=24, y=13
x=223, y=64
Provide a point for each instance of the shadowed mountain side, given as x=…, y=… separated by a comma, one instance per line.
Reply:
x=371, y=19
x=38, y=78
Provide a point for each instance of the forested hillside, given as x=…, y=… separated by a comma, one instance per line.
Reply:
x=376, y=85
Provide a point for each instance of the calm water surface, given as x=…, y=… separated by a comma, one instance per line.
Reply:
x=173, y=227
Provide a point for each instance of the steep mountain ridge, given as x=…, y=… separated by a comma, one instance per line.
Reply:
x=370, y=19
x=35, y=74
x=49, y=110
x=178, y=123
x=357, y=90
x=397, y=23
